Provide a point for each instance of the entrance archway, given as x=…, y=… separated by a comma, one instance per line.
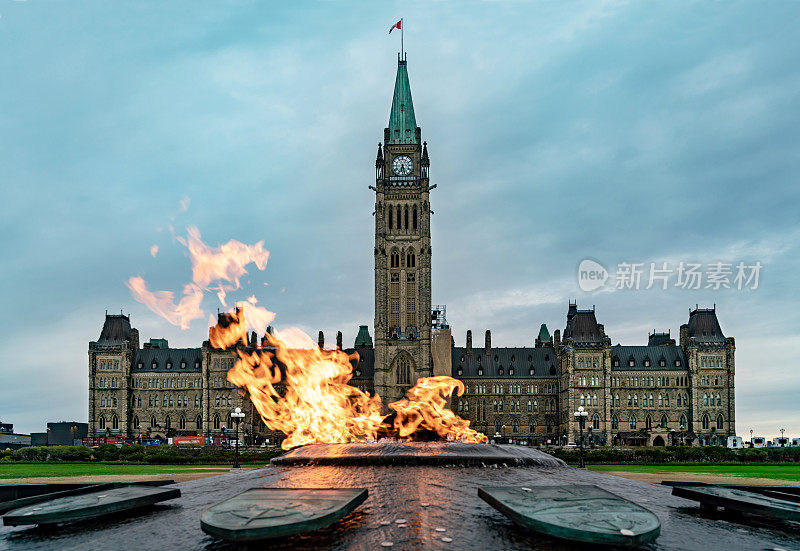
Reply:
x=658, y=441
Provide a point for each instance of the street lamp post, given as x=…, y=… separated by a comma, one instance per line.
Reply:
x=237, y=415
x=782, y=441
x=581, y=416
x=751, y=438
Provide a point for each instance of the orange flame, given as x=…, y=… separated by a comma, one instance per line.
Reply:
x=303, y=391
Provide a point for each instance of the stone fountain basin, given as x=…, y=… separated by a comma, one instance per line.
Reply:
x=401, y=452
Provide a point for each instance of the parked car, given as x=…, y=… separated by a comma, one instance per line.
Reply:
x=759, y=442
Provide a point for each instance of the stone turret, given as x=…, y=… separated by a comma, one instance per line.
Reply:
x=488, y=342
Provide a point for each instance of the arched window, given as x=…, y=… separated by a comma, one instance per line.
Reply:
x=533, y=425
x=530, y=406
x=167, y=423
x=411, y=260
x=114, y=422
x=399, y=217
x=583, y=400
x=594, y=399
x=405, y=219
x=630, y=400
x=391, y=218
x=596, y=422
x=720, y=422
x=706, y=422
x=679, y=399
x=198, y=422
x=683, y=422
x=614, y=422
x=216, y=421
x=153, y=421
x=102, y=422
x=719, y=400
x=652, y=401
x=395, y=259
x=403, y=371
x=135, y=421
x=182, y=422
x=660, y=401
x=648, y=423
x=415, y=217
x=636, y=400
x=632, y=422
x=663, y=421
x=705, y=399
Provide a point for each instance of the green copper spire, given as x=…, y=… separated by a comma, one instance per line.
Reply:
x=402, y=123
x=544, y=334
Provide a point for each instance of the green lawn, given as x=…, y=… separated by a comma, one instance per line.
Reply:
x=31, y=470
x=777, y=472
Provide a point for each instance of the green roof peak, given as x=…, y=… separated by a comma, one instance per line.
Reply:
x=402, y=123
x=544, y=334
x=363, y=338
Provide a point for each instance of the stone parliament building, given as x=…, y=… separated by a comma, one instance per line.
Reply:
x=661, y=393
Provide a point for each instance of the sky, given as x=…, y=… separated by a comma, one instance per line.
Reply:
x=621, y=132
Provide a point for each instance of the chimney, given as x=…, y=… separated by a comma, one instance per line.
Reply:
x=469, y=341
x=339, y=340
x=488, y=342
x=557, y=338
x=321, y=340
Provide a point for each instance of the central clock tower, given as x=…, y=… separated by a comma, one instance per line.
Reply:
x=402, y=250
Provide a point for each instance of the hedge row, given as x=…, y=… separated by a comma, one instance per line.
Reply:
x=158, y=455
x=682, y=454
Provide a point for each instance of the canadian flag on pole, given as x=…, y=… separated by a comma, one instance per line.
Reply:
x=398, y=25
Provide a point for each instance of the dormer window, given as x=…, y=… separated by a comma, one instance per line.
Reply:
x=479, y=359
x=183, y=364
x=677, y=363
x=141, y=365
x=530, y=371
x=511, y=370
x=197, y=364
x=169, y=364
x=496, y=358
x=154, y=365
x=500, y=370
x=513, y=358
x=358, y=373
x=616, y=362
x=631, y=363
x=480, y=371
x=462, y=359
x=552, y=369
x=662, y=362
x=460, y=371
x=647, y=362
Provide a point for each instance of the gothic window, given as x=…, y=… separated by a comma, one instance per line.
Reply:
x=102, y=422
x=515, y=426
x=403, y=370
x=719, y=400
x=652, y=401
x=594, y=400
x=636, y=400
x=663, y=421
x=679, y=399
x=216, y=421
x=720, y=422
x=666, y=400
x=596, y=422
x=632, y=422
x=405, y=219
x=614, y=422
x=394, y=260
x=135, y=421
x=182, y=422
x=167, y=423
x=533, y=425
x=536, y=406
x=705, y=399
x=530, y=406
x=583, y=400
x=391, y=218
x=414, y=221
x=648, y=423
x=683, y=422
x=198, y=422
x=706, y=422
x=399, y=218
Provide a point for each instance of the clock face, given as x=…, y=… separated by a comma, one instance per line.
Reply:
x=402, y=165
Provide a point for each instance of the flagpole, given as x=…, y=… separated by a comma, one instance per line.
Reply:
x=402, y=46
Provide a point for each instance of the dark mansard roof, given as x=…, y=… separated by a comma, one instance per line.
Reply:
x=658, y=339
x=365, y=368
x=582, y=326
x=543, y=360
x=640, y=353
x=116, y=330
x=704, y=325
x=154, y=360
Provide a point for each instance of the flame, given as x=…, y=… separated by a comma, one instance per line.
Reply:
x=303, y=391
x=296, y=387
